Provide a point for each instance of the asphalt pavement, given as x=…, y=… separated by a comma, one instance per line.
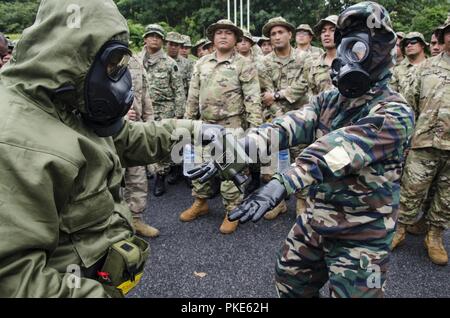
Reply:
x=194, y=260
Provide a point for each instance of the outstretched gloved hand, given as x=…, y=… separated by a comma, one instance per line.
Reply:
x=259, y=202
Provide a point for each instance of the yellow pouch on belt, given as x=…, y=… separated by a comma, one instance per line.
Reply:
x=124, y=264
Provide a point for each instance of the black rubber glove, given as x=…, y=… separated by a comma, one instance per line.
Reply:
x=259, y=202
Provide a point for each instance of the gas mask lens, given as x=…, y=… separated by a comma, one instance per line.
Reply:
x=116, y=61
x=358, y=51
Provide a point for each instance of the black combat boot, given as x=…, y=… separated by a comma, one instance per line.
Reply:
x=160, y=185
x=174, y=175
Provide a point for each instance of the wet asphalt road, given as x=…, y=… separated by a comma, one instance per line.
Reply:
x=241, y=265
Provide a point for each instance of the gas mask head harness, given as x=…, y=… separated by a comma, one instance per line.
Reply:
x=108, y=90
x=364, y=55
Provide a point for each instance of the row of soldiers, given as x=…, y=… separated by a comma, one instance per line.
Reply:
x=241, y=82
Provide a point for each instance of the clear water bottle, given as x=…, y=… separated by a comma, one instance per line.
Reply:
x=284, y=161
x=188, y=158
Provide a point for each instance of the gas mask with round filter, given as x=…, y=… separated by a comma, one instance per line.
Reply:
x=350, y=70
x=108, y=90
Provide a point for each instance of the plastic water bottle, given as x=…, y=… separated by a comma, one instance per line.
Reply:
x=284, y=161
x=188, y=159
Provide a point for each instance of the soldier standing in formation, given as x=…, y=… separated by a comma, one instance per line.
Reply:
x=428, y=161
x=224, y=90
x=165, y=88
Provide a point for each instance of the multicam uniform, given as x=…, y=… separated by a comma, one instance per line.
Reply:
x=403, y=76
x=135, y=177
x=317, y=74
x=429, y=157
x=225, y=93
x=166, y=92
x=352, y=172
x=279, y=74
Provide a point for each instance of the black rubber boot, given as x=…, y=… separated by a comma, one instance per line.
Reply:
x=160, y=185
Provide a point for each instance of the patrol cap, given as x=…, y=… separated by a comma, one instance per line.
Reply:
x=223, y=24
x=413, y=35
x=186, y=41
x=278, y=21
x=330, y=19
x=174, y=37
x=305, y=27
x=154, y=28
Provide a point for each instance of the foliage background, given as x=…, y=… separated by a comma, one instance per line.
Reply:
x=192, y=17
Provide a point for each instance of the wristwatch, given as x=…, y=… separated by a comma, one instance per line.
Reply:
x=277, y=96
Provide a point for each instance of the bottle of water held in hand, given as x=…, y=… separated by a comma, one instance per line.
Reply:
x=188, y=159
x=284, y=161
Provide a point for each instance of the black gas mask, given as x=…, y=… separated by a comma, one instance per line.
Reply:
x=350, y=71
x=108, y=90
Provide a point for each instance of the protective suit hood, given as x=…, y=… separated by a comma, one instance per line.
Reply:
x=58, y=50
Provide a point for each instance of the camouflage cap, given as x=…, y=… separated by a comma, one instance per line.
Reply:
x=186, y=41
x=174, y=37
x=248, y=36
x=198, y=44
x=413, y=35
x=263, y=39
x=440, y=32
x=305, y=27
x=278, y=21
x=154, y=28
x=400, y=35
x=223, y=24
x=330, y=19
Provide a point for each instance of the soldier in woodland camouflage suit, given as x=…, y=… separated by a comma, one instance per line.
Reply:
x=136, y=185
x=184, y=64
x=351, y=169
x=224, y=90
x=166, y=90
x=429, y=158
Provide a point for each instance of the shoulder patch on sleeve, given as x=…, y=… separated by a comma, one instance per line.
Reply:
x=337, y=159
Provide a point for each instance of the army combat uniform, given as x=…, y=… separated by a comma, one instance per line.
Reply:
x=428, y=160
x=225, y=93
x=351, y=170
x=166, y=92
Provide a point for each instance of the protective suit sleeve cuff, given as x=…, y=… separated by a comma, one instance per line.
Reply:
x=285, y=182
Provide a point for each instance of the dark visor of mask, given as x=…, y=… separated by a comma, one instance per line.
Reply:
x=116, y=59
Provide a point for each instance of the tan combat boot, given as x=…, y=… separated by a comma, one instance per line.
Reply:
x=198, y=208
x=228, y=227
x=144, y=229
x=300, y=207
x=419, y=228
x=399, y=236
x=280, y=208
x=435, y=247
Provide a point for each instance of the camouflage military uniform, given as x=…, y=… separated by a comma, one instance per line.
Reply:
x=135, y=177
x=429, y=158
x=403, y=75
x=166, y=89
x=225, y=93
x=186, y=68
x=317, y=74
x=279, y=74
x=352, y=171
